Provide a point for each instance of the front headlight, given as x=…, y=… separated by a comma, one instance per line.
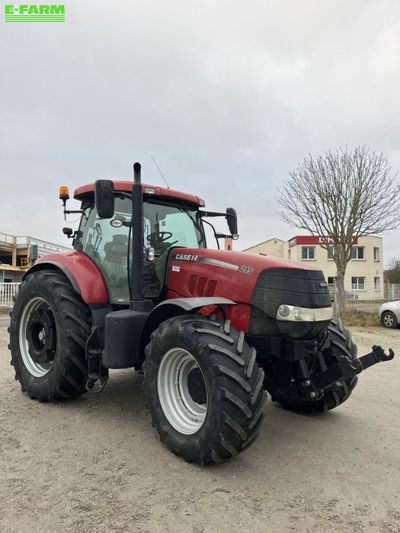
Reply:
x=294, y=313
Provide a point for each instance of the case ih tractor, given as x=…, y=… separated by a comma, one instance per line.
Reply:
x=211, y=330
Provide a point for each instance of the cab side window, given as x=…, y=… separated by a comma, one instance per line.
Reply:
x=108, y=247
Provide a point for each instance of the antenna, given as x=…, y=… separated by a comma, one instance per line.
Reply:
x=158, y=168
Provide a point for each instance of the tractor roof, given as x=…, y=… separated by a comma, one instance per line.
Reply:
x=150, y=190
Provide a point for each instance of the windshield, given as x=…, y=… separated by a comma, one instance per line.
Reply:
x=172, y=225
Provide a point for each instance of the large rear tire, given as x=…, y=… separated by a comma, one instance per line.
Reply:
x=48, y=331
x=341, y=344
x=204, y=388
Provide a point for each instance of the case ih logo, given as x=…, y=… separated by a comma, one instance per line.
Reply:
x=186, y=257
x=34, y=13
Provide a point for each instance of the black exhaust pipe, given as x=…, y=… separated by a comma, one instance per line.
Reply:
x=137, y=239
x=123, y=329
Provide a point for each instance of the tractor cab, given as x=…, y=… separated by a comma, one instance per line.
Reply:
x=168, y=219
x=167, y=223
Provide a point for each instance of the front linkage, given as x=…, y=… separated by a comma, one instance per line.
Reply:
x=313, y=387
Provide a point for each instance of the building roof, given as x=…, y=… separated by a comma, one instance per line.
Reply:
x=16, y=250
x=264, y=242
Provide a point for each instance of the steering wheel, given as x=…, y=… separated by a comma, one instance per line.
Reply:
x=161, y=236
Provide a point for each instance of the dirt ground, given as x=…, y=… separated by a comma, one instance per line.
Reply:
x=96, y=465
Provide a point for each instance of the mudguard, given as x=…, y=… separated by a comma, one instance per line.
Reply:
x=175, y=307
x=83, y=274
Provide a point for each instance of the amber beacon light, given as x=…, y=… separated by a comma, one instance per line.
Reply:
x=64, y=193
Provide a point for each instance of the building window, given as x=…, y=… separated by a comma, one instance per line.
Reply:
x=358, y=283
x=377, y=284
x=376, y=254
x=308, y=252
x=330, y=253
x=357, y=252
x=331, y=285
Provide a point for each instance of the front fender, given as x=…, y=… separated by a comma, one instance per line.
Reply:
x=174, y=307
x=83, y=274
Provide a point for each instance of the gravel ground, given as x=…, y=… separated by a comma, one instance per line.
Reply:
x=96, y=465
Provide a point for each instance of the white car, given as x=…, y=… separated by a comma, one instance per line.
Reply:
x=389, y=314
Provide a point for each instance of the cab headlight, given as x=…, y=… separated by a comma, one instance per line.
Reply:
x=294, y=313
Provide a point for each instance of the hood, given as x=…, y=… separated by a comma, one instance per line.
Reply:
x=229, y=274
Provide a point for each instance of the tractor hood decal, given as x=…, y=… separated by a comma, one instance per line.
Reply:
x=208, y=260
x=217, y=263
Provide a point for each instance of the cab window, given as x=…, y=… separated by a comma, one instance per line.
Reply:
x=108, y=247
x=166, y=226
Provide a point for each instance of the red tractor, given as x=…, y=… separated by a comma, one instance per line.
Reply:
x=210, y=329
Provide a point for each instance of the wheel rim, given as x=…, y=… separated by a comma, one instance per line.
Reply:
x=182, y=391
x=388, y=320
x=37, y=337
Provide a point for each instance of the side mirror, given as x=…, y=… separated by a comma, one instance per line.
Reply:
x=104, y=198
x=231, y=218
x=68, y=232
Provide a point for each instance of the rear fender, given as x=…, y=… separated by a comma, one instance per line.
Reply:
x=83, y=274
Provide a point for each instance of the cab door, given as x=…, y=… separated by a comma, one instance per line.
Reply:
x=107, y=245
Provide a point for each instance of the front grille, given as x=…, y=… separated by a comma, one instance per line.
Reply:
x=276, y=286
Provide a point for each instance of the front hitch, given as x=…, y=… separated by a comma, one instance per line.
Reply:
x=376, y=356
x=313, y=387
x=345, y=368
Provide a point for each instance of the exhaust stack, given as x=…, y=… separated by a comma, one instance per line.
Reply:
x=137, y=240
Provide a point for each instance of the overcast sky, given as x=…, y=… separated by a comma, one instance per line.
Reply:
x=227, y=96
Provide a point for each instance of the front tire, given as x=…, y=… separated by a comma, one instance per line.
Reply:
x=48, y=331
x=204, y=388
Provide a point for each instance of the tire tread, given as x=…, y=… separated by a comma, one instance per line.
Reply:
x=238, y=385
x=69, y=379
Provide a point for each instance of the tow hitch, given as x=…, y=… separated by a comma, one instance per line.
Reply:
x=345, y=368
x=313, y=387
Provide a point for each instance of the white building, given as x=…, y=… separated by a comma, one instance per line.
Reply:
x=364, y=273
x=16, y=252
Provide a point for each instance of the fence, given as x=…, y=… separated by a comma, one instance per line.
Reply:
x=361, y=289
x=7, y=291
x=392, y=291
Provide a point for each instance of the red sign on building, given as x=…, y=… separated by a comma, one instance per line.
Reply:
x=311, y=240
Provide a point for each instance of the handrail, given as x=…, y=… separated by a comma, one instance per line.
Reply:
x=7, y=293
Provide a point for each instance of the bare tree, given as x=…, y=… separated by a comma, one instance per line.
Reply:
x=342, y=195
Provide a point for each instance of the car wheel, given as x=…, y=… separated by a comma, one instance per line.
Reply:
x=389, y=320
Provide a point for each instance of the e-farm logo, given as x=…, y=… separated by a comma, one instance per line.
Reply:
x=34, y=13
